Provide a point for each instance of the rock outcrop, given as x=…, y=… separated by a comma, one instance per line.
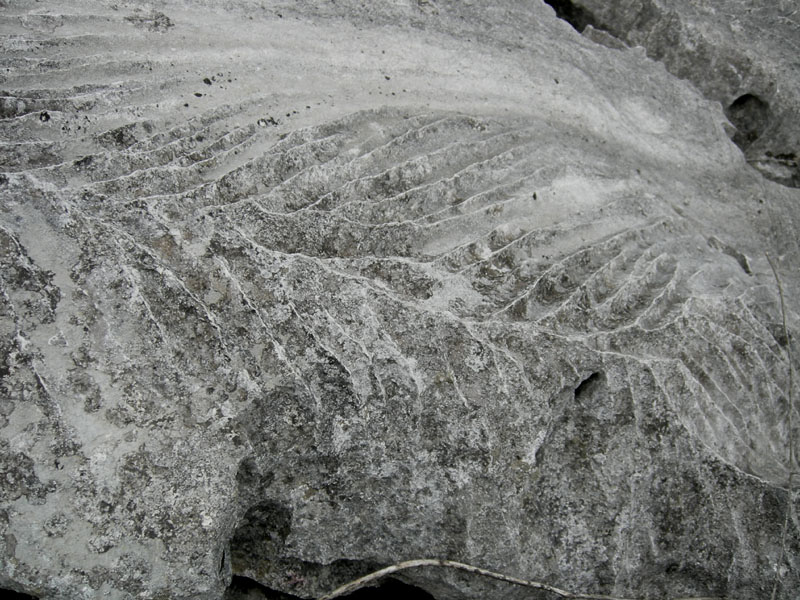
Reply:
x=741, y=55
x=292, y=291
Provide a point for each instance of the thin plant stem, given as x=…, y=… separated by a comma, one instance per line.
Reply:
x=450, y=564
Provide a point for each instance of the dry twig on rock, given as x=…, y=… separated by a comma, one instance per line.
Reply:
x=434, y=562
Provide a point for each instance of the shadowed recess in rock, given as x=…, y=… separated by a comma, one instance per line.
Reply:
x=587, y=385
x=577, y=16
x=244, y=588
x=750, y=115
x=261, y=533
x=736, y=59
x=12, y=595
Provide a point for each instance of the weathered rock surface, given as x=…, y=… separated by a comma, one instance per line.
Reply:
x=742, y=54
x=293, y=291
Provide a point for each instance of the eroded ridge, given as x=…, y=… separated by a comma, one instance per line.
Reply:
x=293, y=347
x=409, y=207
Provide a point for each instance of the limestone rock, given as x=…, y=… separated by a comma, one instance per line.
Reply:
x=292, y=291
x=741, y=54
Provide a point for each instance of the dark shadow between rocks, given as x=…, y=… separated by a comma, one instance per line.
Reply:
x=388, y=589
x=244, y=588
x=12, y=595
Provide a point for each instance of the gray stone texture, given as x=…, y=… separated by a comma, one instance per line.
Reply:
x=292, y=291
x=741, y=54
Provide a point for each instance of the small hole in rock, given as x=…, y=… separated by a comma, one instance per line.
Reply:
x=750, y=115
x=577, y=16
x=587, y=385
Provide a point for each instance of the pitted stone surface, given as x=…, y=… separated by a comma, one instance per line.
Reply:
x=739, y=54
x=294, y=291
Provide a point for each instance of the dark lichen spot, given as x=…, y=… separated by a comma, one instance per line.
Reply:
x=154, y=21
x=121, y=137
x=84, y=162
